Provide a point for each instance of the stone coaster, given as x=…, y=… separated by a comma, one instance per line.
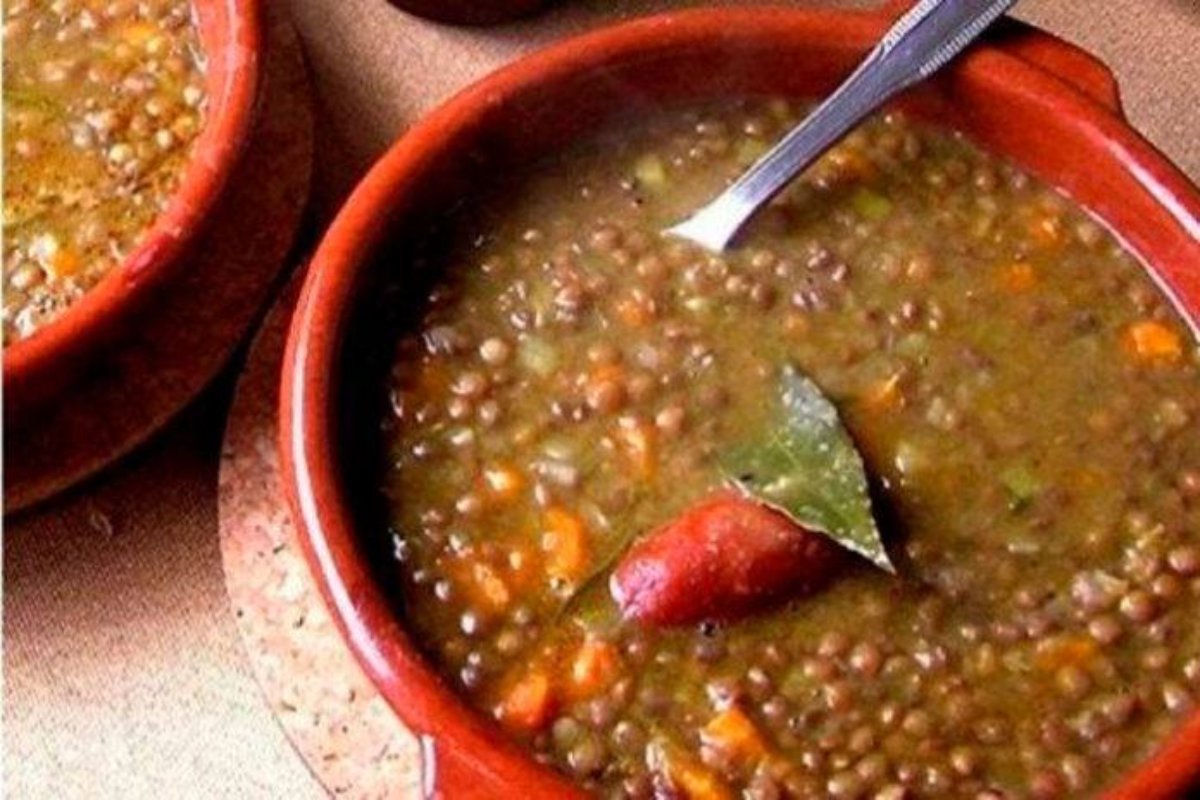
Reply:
x=342, y=728
x=190, y=330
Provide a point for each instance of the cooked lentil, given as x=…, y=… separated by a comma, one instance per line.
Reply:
x=1025, y=396
x=102, y=100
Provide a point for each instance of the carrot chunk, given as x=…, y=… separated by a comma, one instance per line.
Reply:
x=481, y=583
x=564, y=539
x=1017, y=277
x=528, y=703
x=1152, y=341
x=1063, y=651
x=635, y=310
x=735, y=734
x=687, y=776
x=594, y=667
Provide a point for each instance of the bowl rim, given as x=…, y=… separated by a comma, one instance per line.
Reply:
x=231, y=38
x=449, y=729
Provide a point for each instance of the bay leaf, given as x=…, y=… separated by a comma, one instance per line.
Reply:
x=808, y=468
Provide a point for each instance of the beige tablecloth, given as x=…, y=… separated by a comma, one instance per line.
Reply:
x=124, y=676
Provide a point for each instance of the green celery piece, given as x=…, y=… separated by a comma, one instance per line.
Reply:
x=870, y=205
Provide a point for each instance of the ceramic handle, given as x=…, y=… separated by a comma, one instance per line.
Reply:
x=1070, y=64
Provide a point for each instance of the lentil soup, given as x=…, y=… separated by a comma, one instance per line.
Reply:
x=1023, y=396
x=102, y=102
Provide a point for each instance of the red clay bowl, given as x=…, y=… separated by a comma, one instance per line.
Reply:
x=1042, y=103
x=231, y=36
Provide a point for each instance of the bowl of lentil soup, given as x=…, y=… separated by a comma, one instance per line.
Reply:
x=498, y=372
x=123, y=121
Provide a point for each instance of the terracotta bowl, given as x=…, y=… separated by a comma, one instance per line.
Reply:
x=1042, y=103
x=231, y=36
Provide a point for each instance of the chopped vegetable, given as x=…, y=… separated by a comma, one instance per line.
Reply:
x=736, y=734
x=528, y=703
x=481, y=582
x=1022, y=484
x=594, y=667
x=689, y=777
x=870, y=205
x=1062, y=651
x=635, y=310
x=1152, y=341
x=650, y=172
x=565, y=542
x=1018, y=276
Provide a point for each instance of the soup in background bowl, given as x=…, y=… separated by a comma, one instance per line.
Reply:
x=122, y=121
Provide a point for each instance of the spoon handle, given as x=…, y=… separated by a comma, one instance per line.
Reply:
x=916, y=46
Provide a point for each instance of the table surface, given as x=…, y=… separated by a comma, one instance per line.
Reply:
x=124, y=675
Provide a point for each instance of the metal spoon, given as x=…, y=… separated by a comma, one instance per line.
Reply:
x=918, y=45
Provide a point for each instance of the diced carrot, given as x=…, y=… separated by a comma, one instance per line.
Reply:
x=637, y=440
x=594, y=667
x=482, y=585
x=564, y=540
x=734, y=733
x=65, y=262
x=606, y=372
x=687, y=776
x=138, y=33
x=635, y=310
x=1018, y=276
x=884, y=394
x=528, y=703
x=1152, y=341
x=503, y=482
x=1062, y=651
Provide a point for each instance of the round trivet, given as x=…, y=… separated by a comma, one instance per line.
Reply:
x=193, y=326
x=344, y=730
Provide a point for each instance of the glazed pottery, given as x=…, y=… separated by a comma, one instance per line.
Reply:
x=1046, y=105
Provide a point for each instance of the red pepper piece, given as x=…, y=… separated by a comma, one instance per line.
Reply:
x=719, y=559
